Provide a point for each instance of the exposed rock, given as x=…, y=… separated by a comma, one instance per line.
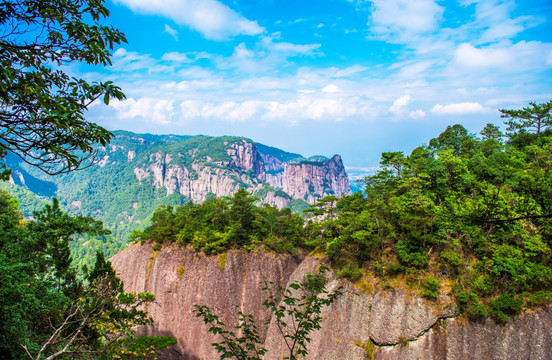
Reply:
x=131, y=155
x=401, y=325
x=103, y=161
x=313, y=180
x=273, y=199
x=225, y=283
x=247, y=167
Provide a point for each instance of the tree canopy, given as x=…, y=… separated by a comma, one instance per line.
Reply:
x=533, y=118
x=42, y=107
x=46, y=310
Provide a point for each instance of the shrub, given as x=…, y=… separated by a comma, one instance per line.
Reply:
x=477, y=312
x=180, y=271
x=504, y=305
x=431, y=288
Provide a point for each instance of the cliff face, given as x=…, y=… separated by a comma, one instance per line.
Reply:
x=205, y=176
x=401, y=325
x=307, y=179
x=245, y=166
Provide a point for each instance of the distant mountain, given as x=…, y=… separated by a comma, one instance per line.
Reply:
x=136, y=173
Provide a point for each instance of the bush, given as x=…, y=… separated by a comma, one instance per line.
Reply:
x=477, y=312
x=431, y=288
x=351, y=272
x=504, y=305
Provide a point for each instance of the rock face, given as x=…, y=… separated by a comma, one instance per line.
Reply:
x=398, y=324
x=196, y=176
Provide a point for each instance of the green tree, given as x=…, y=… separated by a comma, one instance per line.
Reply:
x=46, y=312
x=41, y=107
x=491, y=131
x=533, y=118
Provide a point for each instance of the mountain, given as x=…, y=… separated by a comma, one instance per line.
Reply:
x=136, y=173
x=372, y=319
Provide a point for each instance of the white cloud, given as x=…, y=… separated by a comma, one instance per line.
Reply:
x=331, y=88
x=518, y=57
x=459, y=108
x=158, y=111
x=417, y=114
x=400, y=105
x=172, y=32
x=128, y=61
x=402, y=19
x=288, y=48
x=265, y=55
x=211, y=18
x=470, y=56
x=350, y=71
x=176, y=56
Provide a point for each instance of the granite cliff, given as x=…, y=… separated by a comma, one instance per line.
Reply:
x=367, y=323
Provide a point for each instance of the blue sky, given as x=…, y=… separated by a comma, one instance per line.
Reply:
x=352, y=77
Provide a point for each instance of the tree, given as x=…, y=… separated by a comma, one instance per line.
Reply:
x=295, y=310
x=491, y=131
x=534, y=118
x=46, y=311
x=41, y=107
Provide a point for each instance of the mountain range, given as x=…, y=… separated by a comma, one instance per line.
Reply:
x=136, y=173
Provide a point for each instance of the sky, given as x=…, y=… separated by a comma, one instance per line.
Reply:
x=348, y=77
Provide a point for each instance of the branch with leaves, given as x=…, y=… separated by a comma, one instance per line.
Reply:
x=295, y=310
x=41, y=107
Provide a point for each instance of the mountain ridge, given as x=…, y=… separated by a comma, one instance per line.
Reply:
x=136, y=173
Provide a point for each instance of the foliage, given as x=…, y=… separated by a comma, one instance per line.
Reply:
x=476, y=211
x=533, y=118
x=296, y=310
x=220, y=224
x=41, y=107
x=45, y=310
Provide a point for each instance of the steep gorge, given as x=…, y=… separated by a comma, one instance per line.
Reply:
x=386, y=324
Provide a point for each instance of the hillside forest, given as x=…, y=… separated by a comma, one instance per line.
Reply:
x=466, y=214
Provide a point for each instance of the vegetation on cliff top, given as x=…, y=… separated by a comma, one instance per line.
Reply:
x=467, y=210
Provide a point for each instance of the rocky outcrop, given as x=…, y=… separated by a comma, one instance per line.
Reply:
x=315, y=180
x=200, y=176
x=392, y=324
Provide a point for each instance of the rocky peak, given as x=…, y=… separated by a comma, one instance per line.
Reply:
x=201, y=171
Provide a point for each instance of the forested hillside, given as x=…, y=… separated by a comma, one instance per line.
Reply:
x=469, y=215
x=136, y=173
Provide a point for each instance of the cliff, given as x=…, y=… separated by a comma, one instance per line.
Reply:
x=399, y=324
x=242, y=164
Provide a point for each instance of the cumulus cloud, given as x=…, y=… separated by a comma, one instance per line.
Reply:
x=470, y=56
x=417, y=114
x=459, y=108
x=213, y=19
x=400, y=106
x=518, y=57
x=331, y=88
